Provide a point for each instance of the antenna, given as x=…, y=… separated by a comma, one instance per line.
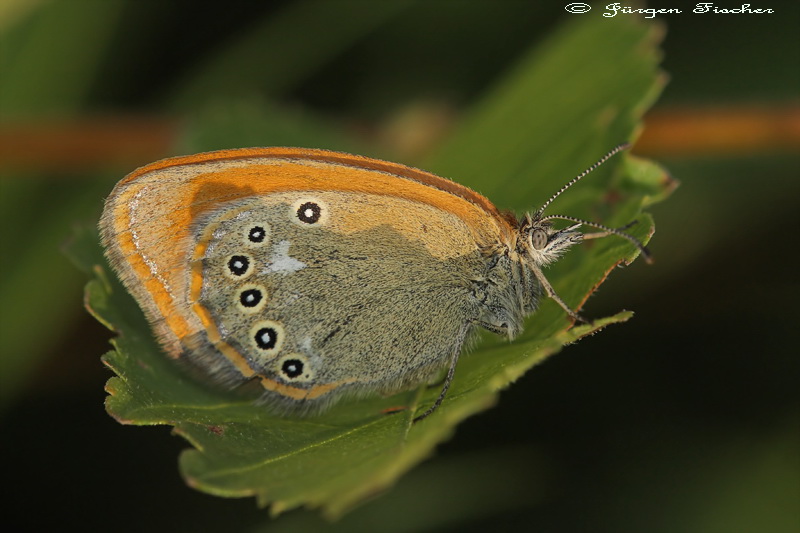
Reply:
x=577, y=178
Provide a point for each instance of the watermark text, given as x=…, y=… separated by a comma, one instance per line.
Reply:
x=616, y=8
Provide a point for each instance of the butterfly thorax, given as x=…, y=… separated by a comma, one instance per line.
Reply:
x=506, y=293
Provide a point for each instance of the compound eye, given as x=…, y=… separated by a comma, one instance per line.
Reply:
x=539, y=239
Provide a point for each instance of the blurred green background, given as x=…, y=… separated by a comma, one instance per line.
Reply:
x=687, y=418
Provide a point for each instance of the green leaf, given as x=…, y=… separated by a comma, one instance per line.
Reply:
x=563, y=106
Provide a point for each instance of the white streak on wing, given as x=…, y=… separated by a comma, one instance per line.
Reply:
x=305, y=343
x=218, y=234
x=132, y=216
x=281, y=262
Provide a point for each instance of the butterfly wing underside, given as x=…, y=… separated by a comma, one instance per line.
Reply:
x=313, y=275
x=334, y=294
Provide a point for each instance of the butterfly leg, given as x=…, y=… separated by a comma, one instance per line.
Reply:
x=551, y=292
x=450, y=373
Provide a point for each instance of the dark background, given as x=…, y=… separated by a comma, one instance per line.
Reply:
x=686, y=418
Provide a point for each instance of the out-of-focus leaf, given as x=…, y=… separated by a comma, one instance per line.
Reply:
x=275, y=56
x=50, y=45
